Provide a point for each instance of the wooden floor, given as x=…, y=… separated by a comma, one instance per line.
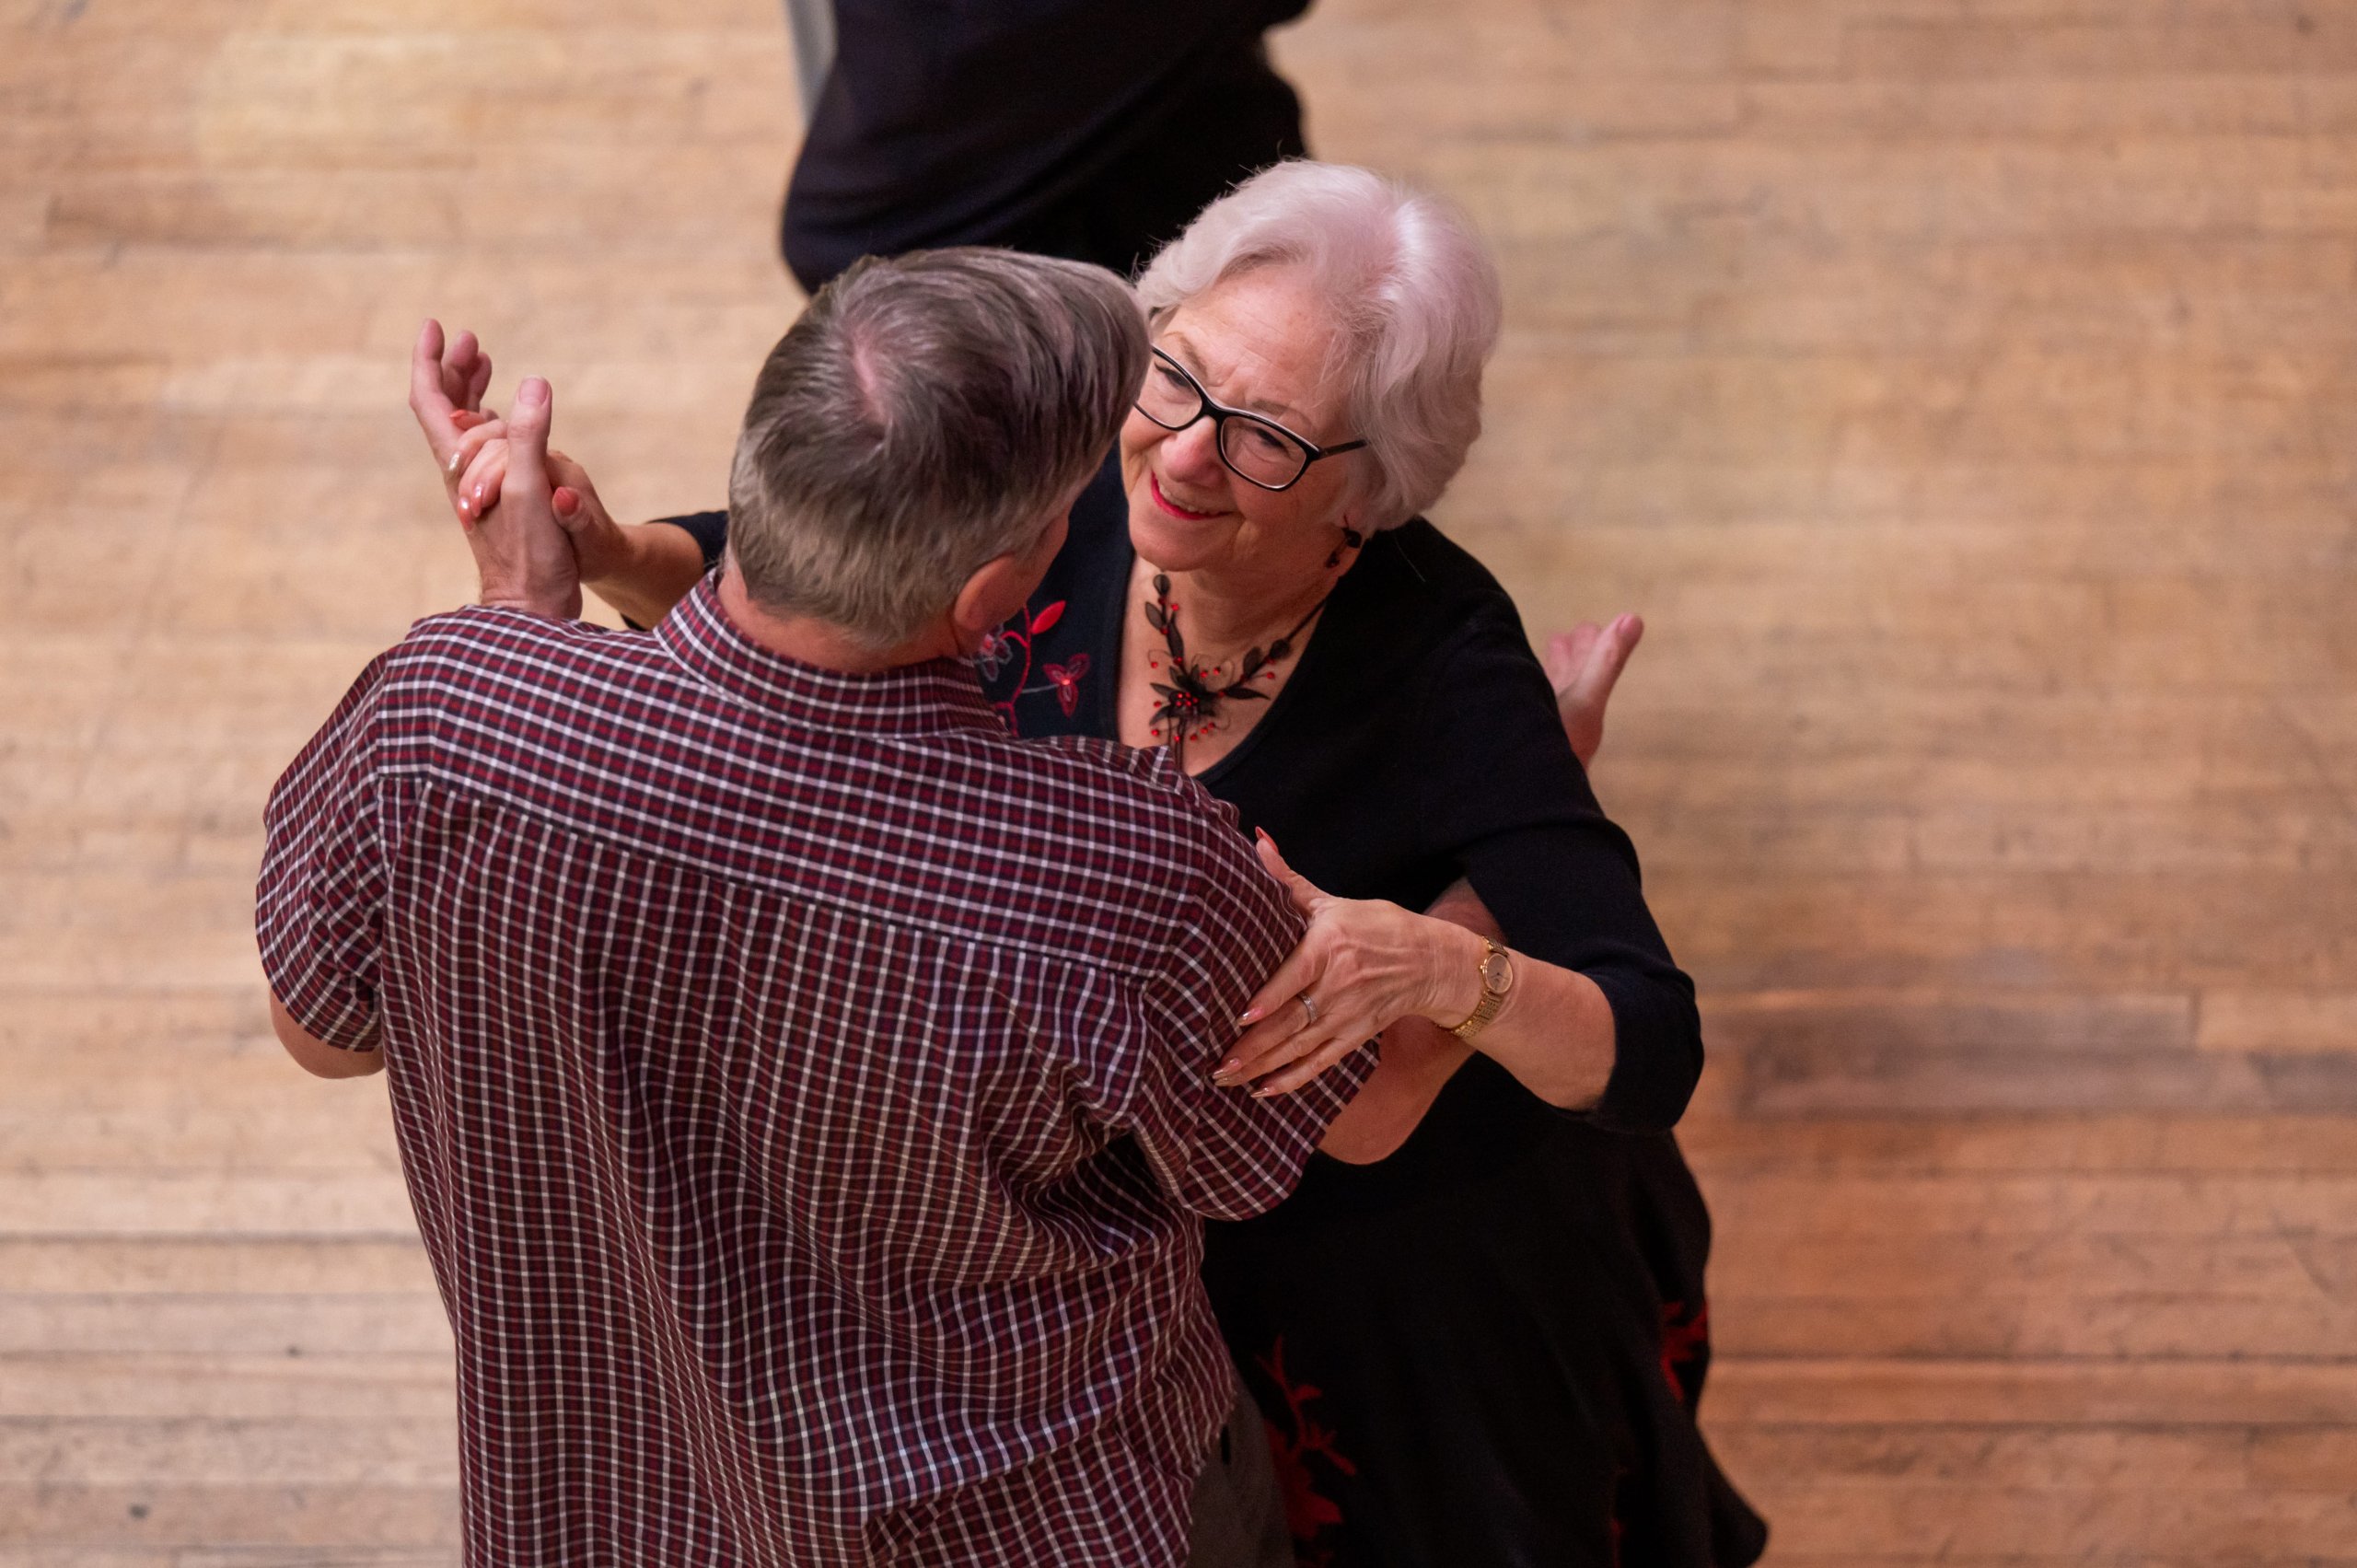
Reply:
x=1965, y=391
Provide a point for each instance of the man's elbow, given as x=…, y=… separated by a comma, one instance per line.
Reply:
x=314, y=1055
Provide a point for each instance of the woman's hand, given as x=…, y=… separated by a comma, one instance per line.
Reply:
x=1583, y=664
x=1364, y=965
x=601, y=546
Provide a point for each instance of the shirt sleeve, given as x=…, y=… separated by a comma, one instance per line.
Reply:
x=1226, y=1155
x=709, y=529
x=318, y=906
x=1510, y=803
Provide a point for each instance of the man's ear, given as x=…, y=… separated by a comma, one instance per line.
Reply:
x=990, y=597
x=997, y=592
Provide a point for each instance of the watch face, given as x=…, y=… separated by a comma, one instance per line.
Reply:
x=1497, y=974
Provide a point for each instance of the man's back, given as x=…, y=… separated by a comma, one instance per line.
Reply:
x=803, y=1088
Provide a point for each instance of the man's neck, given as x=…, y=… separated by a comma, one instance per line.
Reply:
x=811, y=642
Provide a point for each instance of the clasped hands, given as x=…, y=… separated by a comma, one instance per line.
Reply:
x=531, y=515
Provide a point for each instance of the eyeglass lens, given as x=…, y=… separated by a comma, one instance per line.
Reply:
x=1259, y=451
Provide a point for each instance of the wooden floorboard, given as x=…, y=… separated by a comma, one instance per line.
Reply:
x=1960, y=387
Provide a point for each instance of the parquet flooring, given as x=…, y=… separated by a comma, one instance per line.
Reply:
x=1965, y=391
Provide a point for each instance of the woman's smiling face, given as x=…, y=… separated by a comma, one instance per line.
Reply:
x=1259, y=342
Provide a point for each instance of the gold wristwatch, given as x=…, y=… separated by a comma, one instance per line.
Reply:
x=1497, y=978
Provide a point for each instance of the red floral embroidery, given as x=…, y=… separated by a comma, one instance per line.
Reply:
x=1065, y=679
x=1684, y=1341
x=1002, y=648
x=1308, y=1511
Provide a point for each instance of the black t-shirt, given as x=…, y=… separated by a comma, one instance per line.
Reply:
x=1460, y=1348
x=1068, y=127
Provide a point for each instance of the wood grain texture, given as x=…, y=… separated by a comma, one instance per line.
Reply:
x=1961, y=389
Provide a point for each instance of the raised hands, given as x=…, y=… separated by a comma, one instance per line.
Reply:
x=600, y=545
x=446, y=387
x=474, y=450
x=523, y=555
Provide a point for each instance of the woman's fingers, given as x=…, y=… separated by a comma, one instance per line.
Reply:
x=1302, y=966
x=1263, y=1045
x=1302, y=1045
x=447, y=380
x=478, y=487
x=471, y=443
x=565, y=471
x=1303, y=1072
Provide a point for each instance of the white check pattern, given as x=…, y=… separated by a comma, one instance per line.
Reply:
x=802, y=1087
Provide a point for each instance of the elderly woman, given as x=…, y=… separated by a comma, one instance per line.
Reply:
x=1475, y=1329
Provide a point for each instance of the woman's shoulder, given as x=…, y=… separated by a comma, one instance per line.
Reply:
x=1097, y=544
x=1425, y=597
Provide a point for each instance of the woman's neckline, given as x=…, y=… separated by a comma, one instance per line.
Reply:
x=1125, y=577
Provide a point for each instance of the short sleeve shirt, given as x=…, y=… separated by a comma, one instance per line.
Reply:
x=802, y=1085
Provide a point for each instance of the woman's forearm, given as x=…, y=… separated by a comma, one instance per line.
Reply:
x=653, y=571
x=1555, y=1033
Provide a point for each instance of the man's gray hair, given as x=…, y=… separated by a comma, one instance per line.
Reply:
x=923, y=416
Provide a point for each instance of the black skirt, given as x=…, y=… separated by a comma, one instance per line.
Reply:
x=1465, y=1355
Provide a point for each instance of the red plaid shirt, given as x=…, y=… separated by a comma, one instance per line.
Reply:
x=802, y=1087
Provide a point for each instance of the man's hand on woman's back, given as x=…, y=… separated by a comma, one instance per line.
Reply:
x=1583, y=663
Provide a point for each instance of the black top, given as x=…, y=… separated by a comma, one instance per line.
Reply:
x=1459, y=1349
x=1068, y=127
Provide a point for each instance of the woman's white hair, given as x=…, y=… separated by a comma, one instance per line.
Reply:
x=1412, y=292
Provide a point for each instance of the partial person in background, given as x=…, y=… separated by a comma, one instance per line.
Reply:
x=1087, y=129
x=1477, y=1331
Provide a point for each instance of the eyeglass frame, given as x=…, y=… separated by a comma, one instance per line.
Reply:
x=1220, y=413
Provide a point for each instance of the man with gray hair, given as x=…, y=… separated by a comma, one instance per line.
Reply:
x=802, y=1086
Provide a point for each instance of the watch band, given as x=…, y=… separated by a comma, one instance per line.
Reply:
x=1492, y=998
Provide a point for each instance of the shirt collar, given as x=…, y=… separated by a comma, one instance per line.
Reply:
x=915, y=699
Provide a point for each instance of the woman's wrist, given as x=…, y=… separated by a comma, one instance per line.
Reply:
x=1457, y=977
x=613, y=561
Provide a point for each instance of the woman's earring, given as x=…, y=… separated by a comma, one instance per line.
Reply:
x=1352, y=539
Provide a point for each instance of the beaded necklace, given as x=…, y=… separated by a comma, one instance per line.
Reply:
x=1193, y=693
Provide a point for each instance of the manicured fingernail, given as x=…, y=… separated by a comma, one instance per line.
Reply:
x=1249, y=1017
x=1266, y=1093
x=1231, y=1067
x=454, y=462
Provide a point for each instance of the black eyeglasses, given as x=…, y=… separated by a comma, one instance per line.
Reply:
x=1259, y=451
